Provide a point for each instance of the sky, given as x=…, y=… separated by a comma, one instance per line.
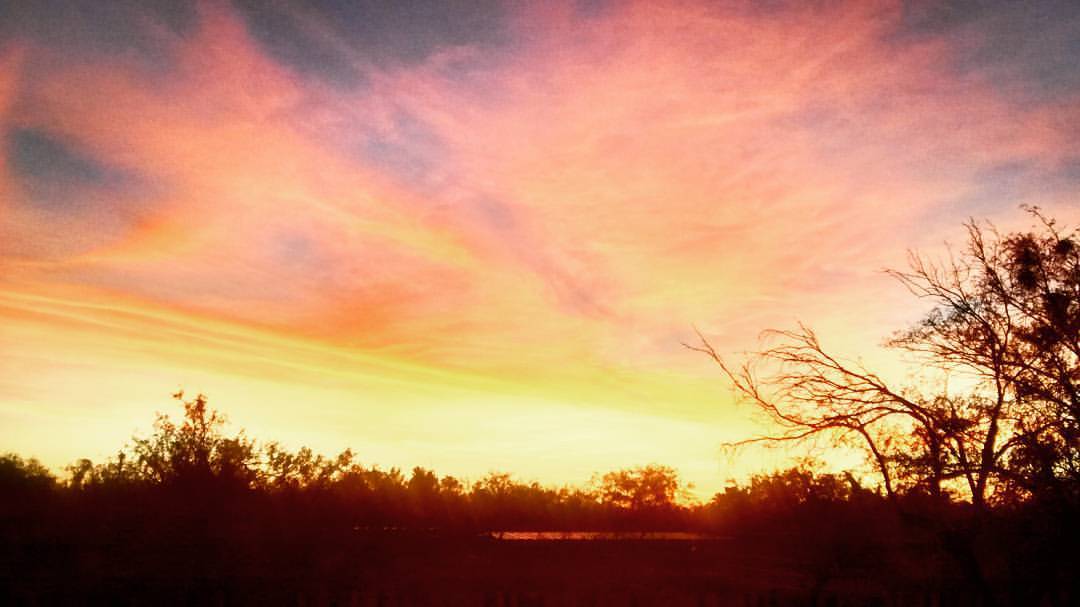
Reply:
x=473, y=236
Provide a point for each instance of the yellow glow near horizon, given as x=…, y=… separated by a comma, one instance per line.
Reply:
x=486, y=257
x=100, y=369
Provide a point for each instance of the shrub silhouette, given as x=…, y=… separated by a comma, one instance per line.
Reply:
x=191, y=511
x=193, y=514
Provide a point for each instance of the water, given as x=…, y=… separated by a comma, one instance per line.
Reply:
x=668, y=536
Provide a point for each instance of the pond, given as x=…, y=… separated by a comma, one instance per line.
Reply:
x=667, y=536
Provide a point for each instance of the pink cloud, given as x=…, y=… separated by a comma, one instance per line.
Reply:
x=563, y=214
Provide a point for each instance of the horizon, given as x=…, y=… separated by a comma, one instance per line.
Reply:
x=475, y=237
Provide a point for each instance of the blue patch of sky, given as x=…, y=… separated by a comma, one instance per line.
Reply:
x=1070, y=171
x=410, y=152
x=594, y=8
x=295, y=249
x=94, y=26
x=57, y=175
x=1028, y=50
x=276, y=29
x=1005, y=186
x=375, y=32
x=496, y=214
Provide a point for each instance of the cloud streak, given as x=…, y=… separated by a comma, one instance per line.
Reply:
x=547, y=200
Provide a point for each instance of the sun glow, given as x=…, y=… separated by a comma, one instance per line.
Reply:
x=484, y=251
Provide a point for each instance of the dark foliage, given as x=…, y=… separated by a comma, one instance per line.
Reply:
x=991, y=474
x=978, y=498
x=190, y=515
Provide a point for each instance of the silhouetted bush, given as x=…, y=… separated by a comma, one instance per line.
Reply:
x=193, y=513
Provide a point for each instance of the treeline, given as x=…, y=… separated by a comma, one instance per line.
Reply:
x=194, y=462
x=192, y=508
x=976, y=490
x=191, y=513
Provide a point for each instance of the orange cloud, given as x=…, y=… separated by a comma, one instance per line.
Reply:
x=553, y=219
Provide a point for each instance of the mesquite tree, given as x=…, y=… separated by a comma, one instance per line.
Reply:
x=1006, y=316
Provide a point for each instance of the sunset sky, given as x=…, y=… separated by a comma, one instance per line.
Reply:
x=473, y=235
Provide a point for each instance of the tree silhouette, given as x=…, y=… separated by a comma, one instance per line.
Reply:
x=195, y=451
x=1006, y=316
x=193, y=515
x=21, y=477
x=651, y=487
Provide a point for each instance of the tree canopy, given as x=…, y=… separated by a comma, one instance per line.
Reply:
x=1005, y=316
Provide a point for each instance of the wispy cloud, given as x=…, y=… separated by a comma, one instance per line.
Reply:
x=551, y=196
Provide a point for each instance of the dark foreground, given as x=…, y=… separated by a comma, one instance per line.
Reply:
x=424, y=569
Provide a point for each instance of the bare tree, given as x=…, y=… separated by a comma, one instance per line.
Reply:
x=1006, y=315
